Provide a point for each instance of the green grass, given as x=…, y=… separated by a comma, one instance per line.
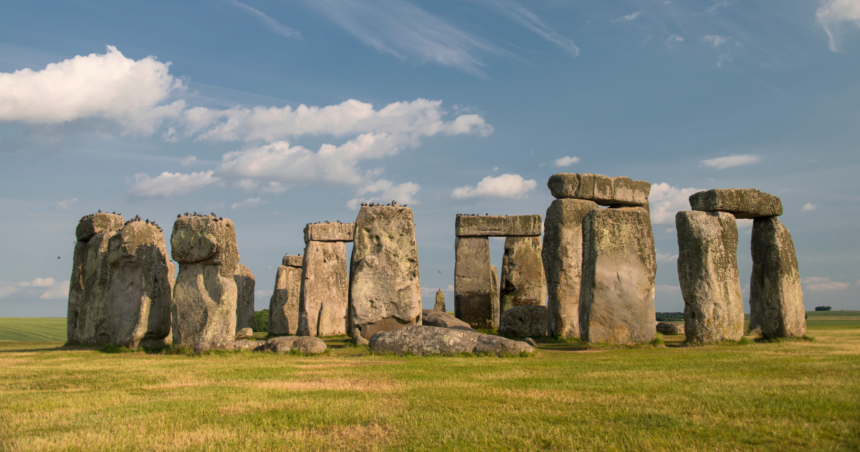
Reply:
x=785, y=395
x=32, y=329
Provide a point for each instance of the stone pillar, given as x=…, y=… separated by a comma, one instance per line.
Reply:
x=562, y=261
x=440, y=301
x=245, y=285
x=474, y=296
x=616, y=304
x=776, y=298
x=385, y=283
x=497, y=314
x=141, y=291
x=205, y=294
x=708, y=272
x=324, y=279
x=523, y=281
x=284, y=304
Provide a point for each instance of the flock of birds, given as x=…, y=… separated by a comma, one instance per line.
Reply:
x=137, y=218
x=326, y=222
x=470, y=214
x=195, y=214
x=373, y=204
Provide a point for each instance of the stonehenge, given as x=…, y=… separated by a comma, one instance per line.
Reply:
x=776, y=298
x=284, y=304
x=245, y=283
x=325, y=282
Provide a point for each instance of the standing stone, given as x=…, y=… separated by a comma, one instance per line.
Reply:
x=385, y=283
x=523, y=279
x=473, y=287
x=89, y=286
x=245, y=284
x=616, y=304
x=440, y=301
x=140, y=291
x=284, y=304
x=494, y=281
x=324, y=321
x=776, y=298
x=324, y=279
x=562, y=262
x=708, y=272
x=205, y=294
x=524, y=321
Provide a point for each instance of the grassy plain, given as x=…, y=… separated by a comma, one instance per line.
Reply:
x=49, y=329
x=784, y=395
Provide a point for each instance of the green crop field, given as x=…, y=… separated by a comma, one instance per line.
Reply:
x=781, y=395
x=32, y=329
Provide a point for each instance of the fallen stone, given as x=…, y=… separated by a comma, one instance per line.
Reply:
x=523, y=280
x=618, y=267
x=284, y=304
x=708, y=273
x=245, y=284
x=431, y=340
x=741, y=202
x=329, y=232
x=604, y=190
x=293, y=261
x=497, y=225
x=562, y=262
x=385, y=286
x=324, y=280
x=530, y=341
x=440, y=301
x=359, y=340
x=670, y=328
x=524, y=321
x=776, y=298
x=473, y=282
x=308, y=345
x=228, y=345
x=432, y=317
x=245, y=333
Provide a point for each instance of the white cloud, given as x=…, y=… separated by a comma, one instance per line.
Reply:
x=246, y=184
x=667, y=200
x=661, y=257
x=665, y=289
x=527, y=19
x=675, y=38
x=832, y=13
x=716, y=6
x=809, y=207
x=55, y=290
x=58, y=292
x=504, y=186
x=108, y=86
x=38, y=282
x=403, y=193
x=188, y=160
x=66, y=203
x=716, y=40
x=731, y=160
x=566, y=161
x=250, y=202
x=273, y=187
x=627, y=18
x=818, y=284
x=169, y=184
x=270, y=23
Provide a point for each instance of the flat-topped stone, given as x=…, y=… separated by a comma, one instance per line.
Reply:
x=604, y=190
x=98, y=223
x=743, y=203
x=291, y=260
x=432, y=317
x=498, y=225
x=205, y=239
x=431, y=340
x=329, y=232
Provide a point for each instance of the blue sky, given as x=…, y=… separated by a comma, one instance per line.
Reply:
x=280, y=113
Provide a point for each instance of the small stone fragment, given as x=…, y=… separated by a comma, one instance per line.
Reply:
x=440, y=301
x=741, y=202
x=524, y=321
x=432, y=317
x=245, y=333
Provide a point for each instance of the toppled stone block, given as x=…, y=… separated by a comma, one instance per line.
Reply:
x=329, y=232
x=292, y=260
x=497, y=225
x=604, y=190
x=140, y=290
x=307, y=345
x=776, y=298
x=244, y=333
x=385, y=285
x=473, y=290
x=245, y=284
x=431, y=340
x=524, y=321
x=523, y=280
x=440, y=301
x=562, y=261
x=708, y=272
x=741, y=202
x=228, y=345
x=670, y=328
x=324, y=280
x=284, y=304
x=616, y=304
x=432, y=317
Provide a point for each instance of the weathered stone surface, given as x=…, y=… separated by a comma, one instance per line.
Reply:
x=440, y=301
x=329, y=232
x=670, y=328
x=205, y=294
x=245, y=284
x=530, y=341
x=432, y=317
x=473, y=287
x=497, y=225
x=523, y=280
x=89, y=287
x=304, y=344
x=290, y=260
x=494, y=284
x=228, y=345
x=741, y=202
x=562, y=262
x=284, y=304
x=359, y=340
x=324, y=321
x=708, y=272
x=244, y=333
x=524, y=321
x=140, y=292
x=776, y=298
x=431, y=340
x=324, y=279
x=604, y=190
x=616, y=303
x=385, y=285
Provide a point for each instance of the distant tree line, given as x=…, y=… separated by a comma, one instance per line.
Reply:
x=261, y=321
x=823, y=308
x=669, y=316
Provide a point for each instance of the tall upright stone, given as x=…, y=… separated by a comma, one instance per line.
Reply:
x=616, y=304
x=494, y=285
x=440, y=301
x=89, y=287
x=284, y=304
x=708, y=273
x=473, y=287
x=385, y=283
x=205, y=294
x=245, y=284
x=324, y=279
x=523, y=281
x=141, y=292
x=776, y=298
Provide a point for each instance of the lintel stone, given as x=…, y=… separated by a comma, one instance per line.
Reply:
x=745, y=203
x=604, y=190
x=498, y=226
x=330, y=232
x=291, y=260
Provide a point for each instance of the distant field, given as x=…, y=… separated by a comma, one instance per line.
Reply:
x=46, y=329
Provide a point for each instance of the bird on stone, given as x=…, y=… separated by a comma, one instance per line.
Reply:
x=58, y=257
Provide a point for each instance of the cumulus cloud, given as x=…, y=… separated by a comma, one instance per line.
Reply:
x=504, y=186
x=250, y=202
x=246, y=184
x=819, y=284
x=384, y=192
x=667, y=200
x=731, y=160
x=54, y=290
x=833, y=13
x=57, y=292
x=188, y=160
x=38, y=282
x=169, y=184
x=273, y=187
x=809, y=207
x=566, y=161
x=110, y=86
x=627, y=18
x=66, y=203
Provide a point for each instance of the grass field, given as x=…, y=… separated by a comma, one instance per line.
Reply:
x=785, y=395
x=50, y=329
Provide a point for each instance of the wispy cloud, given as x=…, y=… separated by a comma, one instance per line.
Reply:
x=832, y=13
x=716, y=40
x=188, y=160
x=627, y=18
x=529, y=20
x=731, y=160
x=809, y=207
x=66, y=203
x=820, y=284
x=270, y=23
x=566, y=161
x=250, y=202
x=504, y=186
